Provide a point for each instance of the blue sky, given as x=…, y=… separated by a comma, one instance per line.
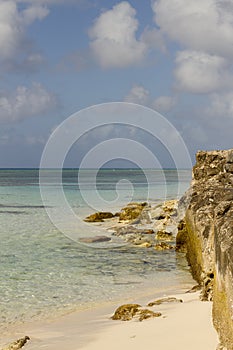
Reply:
x=60, y=56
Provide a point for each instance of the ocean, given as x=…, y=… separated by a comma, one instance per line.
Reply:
x=44, y=273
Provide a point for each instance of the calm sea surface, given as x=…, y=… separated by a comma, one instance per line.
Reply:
x=43, y=272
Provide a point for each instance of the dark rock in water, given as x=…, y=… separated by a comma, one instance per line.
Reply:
x=18, y=344
x=163, y=246
x=144, y=314
x=99, y=217
x=129, y=230
x=125, y=312
x=96, y=239
x=165, y=300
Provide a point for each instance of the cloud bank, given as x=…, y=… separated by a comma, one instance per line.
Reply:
x=26, y=102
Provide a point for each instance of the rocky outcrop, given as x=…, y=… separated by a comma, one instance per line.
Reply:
x=140, y=224
x=18, y=344
x=208, y=233
x=127, y=312
x=99, y=216
x=132, y=211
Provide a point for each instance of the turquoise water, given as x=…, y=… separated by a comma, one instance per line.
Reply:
x=43, y=272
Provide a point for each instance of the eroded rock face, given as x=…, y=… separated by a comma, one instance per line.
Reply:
x=209, y=224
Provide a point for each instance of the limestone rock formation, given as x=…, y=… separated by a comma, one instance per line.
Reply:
x=209, y=223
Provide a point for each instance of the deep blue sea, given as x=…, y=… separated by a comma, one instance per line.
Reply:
x=43, y=272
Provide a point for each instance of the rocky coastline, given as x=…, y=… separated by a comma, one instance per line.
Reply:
x=207, y=234
x=200, y=224
x=139, y=224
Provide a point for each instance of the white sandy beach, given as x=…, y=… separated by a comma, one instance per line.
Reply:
x=182, y=326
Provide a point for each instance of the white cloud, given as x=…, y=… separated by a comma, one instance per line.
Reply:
x=199, y=72
x=114, y=42
x=26, y=102
x=221, y=105
x=164, y=103
x=138, y=94
x=13, y=25
x=202, y=25
x=56, y=2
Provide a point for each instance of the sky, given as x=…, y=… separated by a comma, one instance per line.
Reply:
x=58, y=57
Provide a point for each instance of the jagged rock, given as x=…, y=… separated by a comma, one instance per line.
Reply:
x=170, y=206
x=181, y=237
x=163, y=246
x=207, y=288
x=126, y=312
x=144, y=218
x=164, y=235
x=165, y=300
x=18, y=344
x=209, y=222
x=156, y=212
x=132, y=211
x=144, y=314
x=129, y=311
x=96, y=239
x=99, y=217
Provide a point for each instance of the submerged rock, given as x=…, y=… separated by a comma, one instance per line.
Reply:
x=96, y=239
x=99, y=217
x=129, y=229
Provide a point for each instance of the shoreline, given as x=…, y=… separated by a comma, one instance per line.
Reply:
x=182, y=325
x=72, y=330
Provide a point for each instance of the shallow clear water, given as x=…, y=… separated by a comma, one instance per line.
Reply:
x=43, y=272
